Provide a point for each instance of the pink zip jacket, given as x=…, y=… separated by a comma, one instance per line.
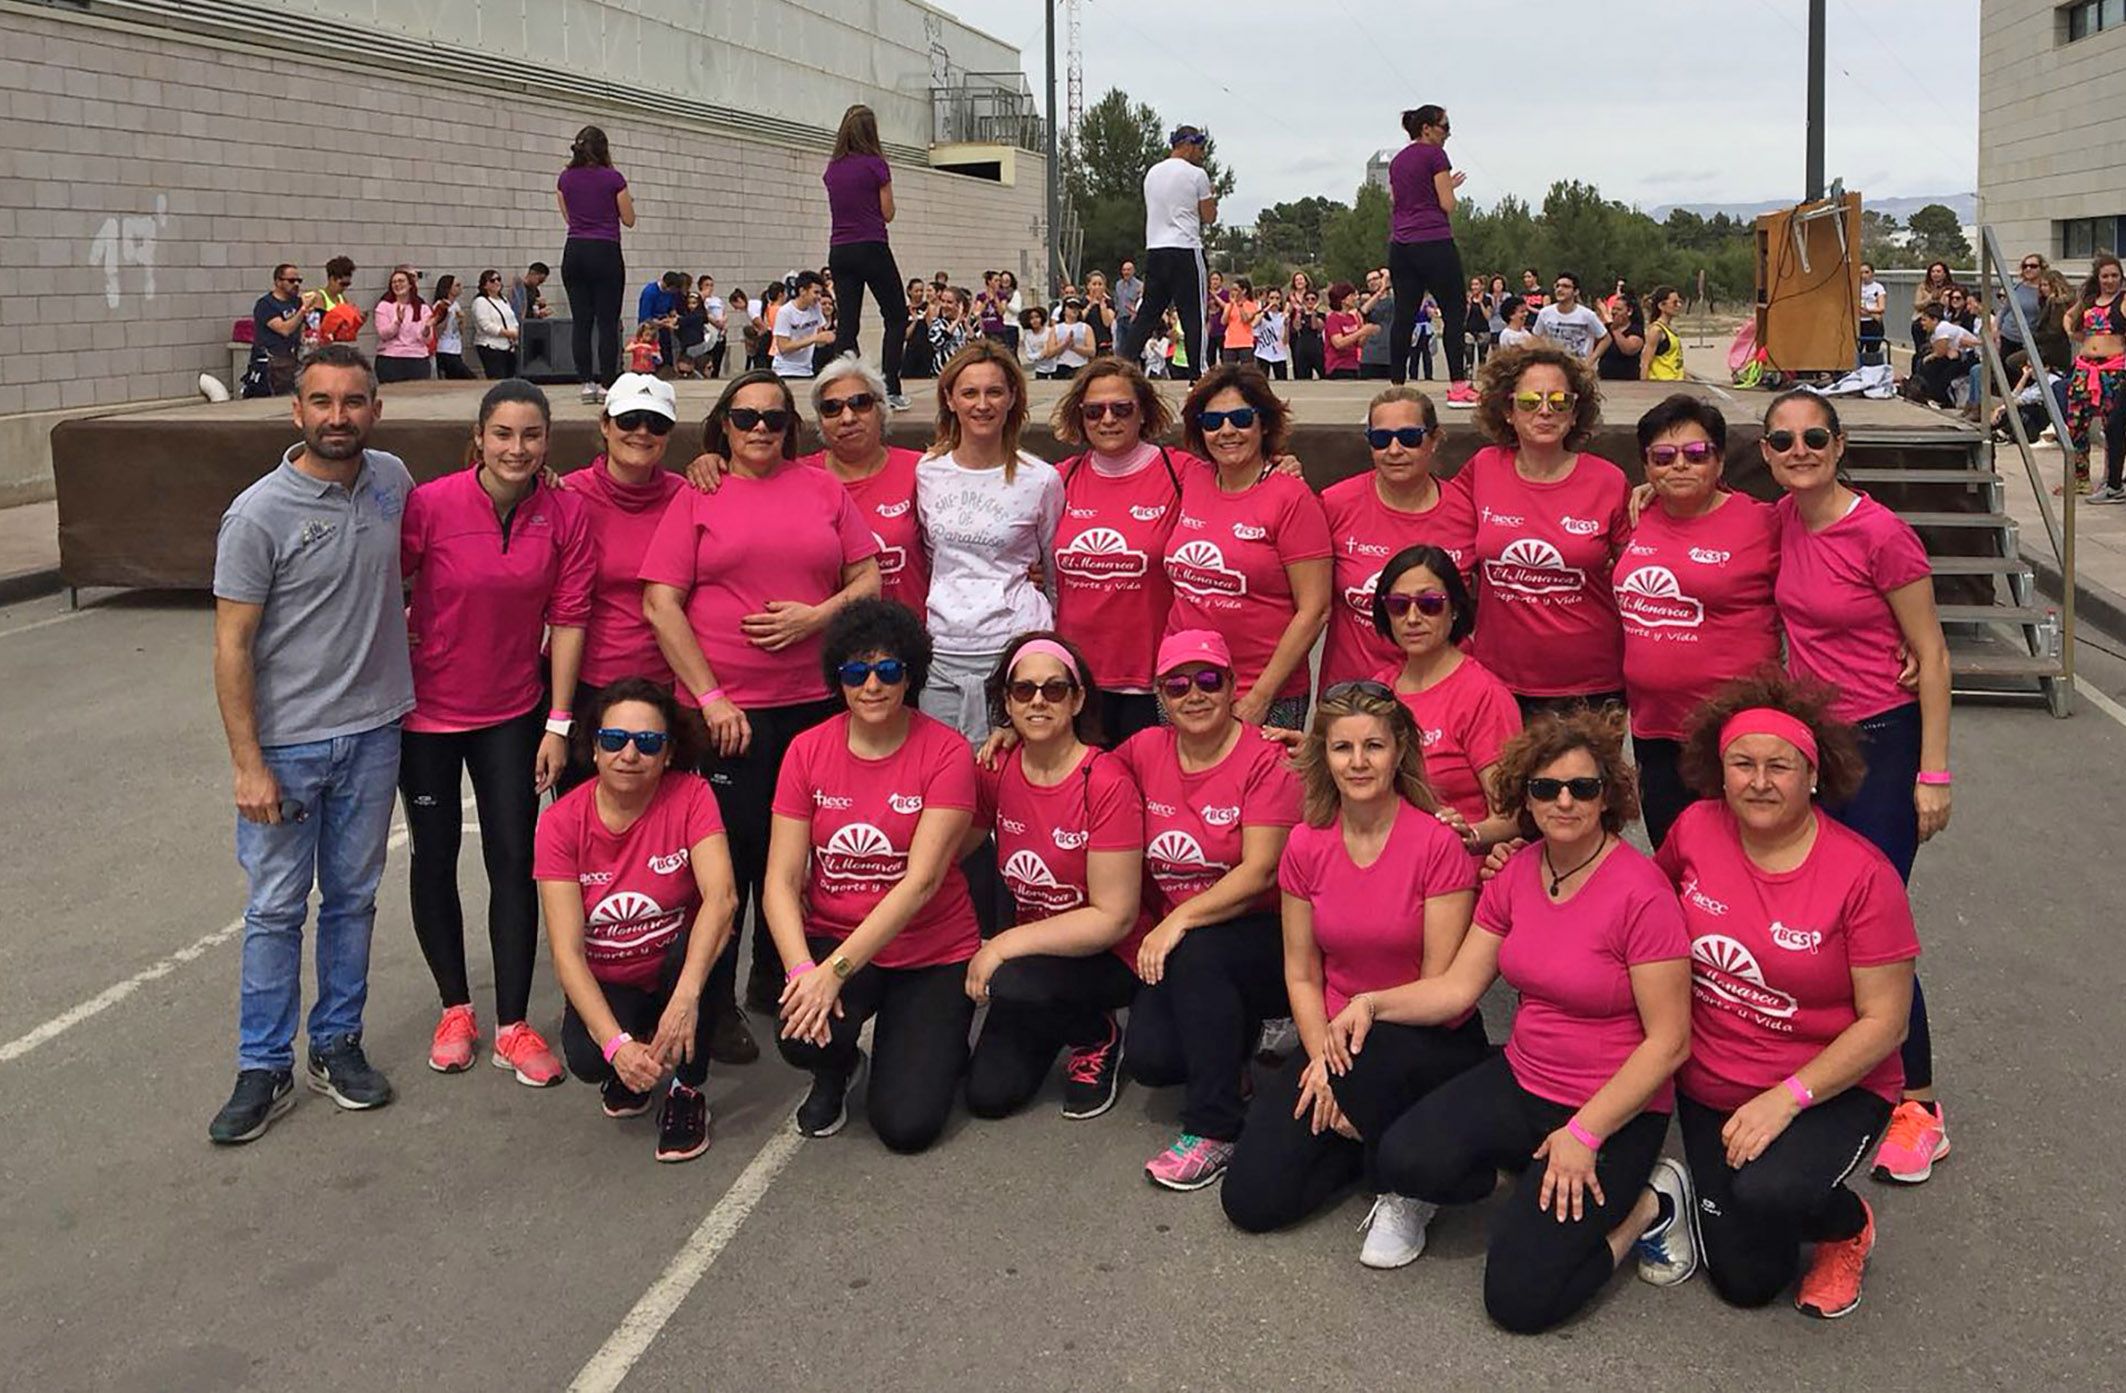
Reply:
x=482, y=597
x=402, y=333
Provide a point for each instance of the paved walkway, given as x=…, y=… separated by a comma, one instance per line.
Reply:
x=2099, y=538
x=29, y=545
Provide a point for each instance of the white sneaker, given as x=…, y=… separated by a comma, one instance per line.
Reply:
x=1395, y=1231
x=1668, y=1252
x=2103, y=493
x=591, y=394
x=1280, y=1036
x=896, y=402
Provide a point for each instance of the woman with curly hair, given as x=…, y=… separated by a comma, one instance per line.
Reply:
x=1588, y=931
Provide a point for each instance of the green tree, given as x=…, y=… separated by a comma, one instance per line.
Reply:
x=1291, y=233
x=1938, y=236
x=1354, y=240
x=1103, y=173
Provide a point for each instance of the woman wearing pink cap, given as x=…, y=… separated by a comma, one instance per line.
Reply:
x=1069, y=826
x=495, y=561
x=1218, y=805
x=1802, y=950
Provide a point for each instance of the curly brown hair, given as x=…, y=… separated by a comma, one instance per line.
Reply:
x=688, y=741
x=1500, y=377
x=1840, y=766
x=1549, y=737
x=1254, y=388
x=1312, y=758
x=1154, y=417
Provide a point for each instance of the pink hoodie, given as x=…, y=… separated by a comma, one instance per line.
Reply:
x=622, y=518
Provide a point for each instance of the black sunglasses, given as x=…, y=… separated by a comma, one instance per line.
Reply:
x=1362, y=686
x=746, y=418
x=891, y=671
x=1410, y=437
x=1430, y=603
x=650, y=421
x=1696, y=451
x=831, y=407
x=1239, y=418
x=1055, y=691
x=1781, y=441
x=1120, y=410
x=1176, y=685
x=613, y=740
x=1544, y=790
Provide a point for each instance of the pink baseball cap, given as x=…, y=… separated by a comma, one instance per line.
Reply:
x=1193, y=646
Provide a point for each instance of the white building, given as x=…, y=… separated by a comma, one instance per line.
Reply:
x=2052, y=126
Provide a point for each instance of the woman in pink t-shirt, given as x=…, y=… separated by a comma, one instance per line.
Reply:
x=864, y=894
x=1342, y=333
x=1377, y=892
x=1802, y=950
x=850, y=398
x=635, y=878
x=1069, y=825
x=1249, y=554
x=1588, y=931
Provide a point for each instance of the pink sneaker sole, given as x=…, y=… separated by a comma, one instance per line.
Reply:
x=528, y=1080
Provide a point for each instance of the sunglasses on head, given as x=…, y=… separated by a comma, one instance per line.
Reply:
x=1545, y=402
x=1239, y=418
x=1544, y=790
x=1430, y=603
x=1362, y=686
x=651, y=421
x=1055, y=691
x=831, y=407
x=1782, y=441
x=1696, y=451
x=891, y=671
x=1176, y=684
x=1409, y=437
x=613, y=740
x=1120, y=410
x=746, y=418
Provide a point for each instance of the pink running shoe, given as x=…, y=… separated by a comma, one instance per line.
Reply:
x=456, y=1040
x=520, y=1049
x=1461, y=394
x=1831, y=1286
x=1191, y=1163
x=1913, y=1142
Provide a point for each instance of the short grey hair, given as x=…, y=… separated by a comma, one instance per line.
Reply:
x=841, y=370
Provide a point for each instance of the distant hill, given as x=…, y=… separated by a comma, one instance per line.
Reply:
x=1964, y=205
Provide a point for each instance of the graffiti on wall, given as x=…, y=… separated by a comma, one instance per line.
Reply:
x=129, y=241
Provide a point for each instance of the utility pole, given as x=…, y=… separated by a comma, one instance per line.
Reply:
x=1815, y=133
x=1055, y=173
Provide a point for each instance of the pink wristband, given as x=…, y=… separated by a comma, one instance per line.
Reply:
x=1936, y=777
x=800, y=970
x=557, y=714
x=1581, y=1135
x=1802, y=1097
x=612, y=1046
x=712, y=694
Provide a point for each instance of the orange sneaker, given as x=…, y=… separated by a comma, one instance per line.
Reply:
x=1831, y=1286
x=519, y=1048
x=456, y=1040
x=1915, y=1139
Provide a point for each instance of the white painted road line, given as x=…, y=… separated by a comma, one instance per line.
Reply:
x=46, y=622
x=2100, y=699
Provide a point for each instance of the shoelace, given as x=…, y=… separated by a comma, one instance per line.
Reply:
x=1654, y=1247
x=517, y=1041
x=1184, y=1144
x=458, y=1025
x=1379, y=1202
x=1907, y=1127
x=1087, y=1065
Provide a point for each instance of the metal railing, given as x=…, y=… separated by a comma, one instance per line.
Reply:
x=987, y=109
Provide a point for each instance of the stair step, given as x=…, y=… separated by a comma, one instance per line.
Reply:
x=1978, y=565
x=1922, y=475
x=1958, y=519
x=1992, y=614
x=2001, y=665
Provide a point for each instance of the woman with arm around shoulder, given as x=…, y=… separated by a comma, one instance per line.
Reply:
x=1069, y=824
x=1374, y=887
x=859, y=258
x=864, y=896
x=635, y=878
x=1854, y=583
x=1588, y=931
x=595, y=204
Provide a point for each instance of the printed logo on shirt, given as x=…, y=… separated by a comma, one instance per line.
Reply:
x=1081, y=512
x=1651, y=597
x=1176, y=861
x=1698, y=897
x=388, y=502
x=1248, y=532
x=1144, y=514
x=1011, y=825
x=315, y=530
x=891, y=560
x=1426, y=739
x=1068, y=841
x=1157, y=809
x=1360, y=596
x=1034, y=886
x=1221, y=817
x=1099, y=553
x=1724, y=973
x=1194, y=524
x=830, y=800
x=1796, y=940
x=893, y=510
x=665, y=865
x=1532, y=566
x=1706, y=556
x=1579, y=527
x=1354, y=547
x=1484, y=514
x=860, y=854
x=595, y=878
x=628, y=926
x=905, y=803
x=1199, y=568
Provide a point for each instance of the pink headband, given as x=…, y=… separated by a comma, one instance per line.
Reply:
x=1048, y=647
x=1764, y=720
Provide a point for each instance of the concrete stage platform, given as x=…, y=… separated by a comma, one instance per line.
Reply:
x=140, y=495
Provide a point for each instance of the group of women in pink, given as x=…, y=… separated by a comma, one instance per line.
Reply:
x=848, y=689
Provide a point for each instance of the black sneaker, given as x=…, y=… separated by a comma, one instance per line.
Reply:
x=343, y=1073
x=1093, y=1076
x=826, y=1107
x=730, y=1040
x=683, y=1130
x=622, y=1101
x=261, y=1096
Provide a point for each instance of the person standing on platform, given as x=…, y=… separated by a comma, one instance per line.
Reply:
x=1178, y=201
x=595, y=203
x=525, y=299
x=495, y=329
x=276, y=323
x=1129, y=294
x=1571, y=323
x=860, y=204
x=449, y=332
x=800, y=327
x=1422, y=259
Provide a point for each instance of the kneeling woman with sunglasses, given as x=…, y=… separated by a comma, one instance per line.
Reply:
x=635, y=878
x=1070, y=835
x=864, y=892
x=1588, y=931
x=1375, y=886
x=1219, y=802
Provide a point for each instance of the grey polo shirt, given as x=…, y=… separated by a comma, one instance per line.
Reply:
x=1375, y=350
x=330, y=658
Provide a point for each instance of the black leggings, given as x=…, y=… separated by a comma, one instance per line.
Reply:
x=2115, y=442
x=856, y=267
x=1450, y=1148
x=401, y=369
x=497, y=363
x=1306, y=357
x=453, y=366
x=1037, y=1006
x=1123, y=714
x=1418, y=268
x=1173, y=278
x=1662, y=793
x=499, y=758
x=919, y=1049
x=638, y=1009
x=1275, y=368
x=1284, y=1171
x=1753, y=1221
x=595, y=275
x=1199, y=1025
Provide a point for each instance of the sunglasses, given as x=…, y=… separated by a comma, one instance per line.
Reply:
x=1363, y=686
x=1119, y=410
x=832, y=407
x=291, y=280
x=1696, y=451
x=1176, y=685
x=1430, y=603
x=2033, y=265
x=1409, y=437
x=1055, y=691
x=1545, y=402
x=1239, y=418
x=651, y=421
x=891, y=671
x=1544, y=790
x=746, y=418
x=613, y=740
x=1782, y=441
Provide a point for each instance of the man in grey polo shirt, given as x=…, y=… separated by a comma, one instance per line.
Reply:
x=312, y=675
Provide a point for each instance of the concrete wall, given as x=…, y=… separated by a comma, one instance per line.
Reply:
x=149, y=182
x=2051, y=126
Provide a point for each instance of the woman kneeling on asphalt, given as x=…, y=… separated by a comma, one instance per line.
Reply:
x=864, y=894
x=1070, y=837
x=1378, y=891
x=1587, y=930
x=635, y=878
x=1802, y=950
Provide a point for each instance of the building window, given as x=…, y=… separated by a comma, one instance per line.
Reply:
x=2087, y=17
x=2081, y=238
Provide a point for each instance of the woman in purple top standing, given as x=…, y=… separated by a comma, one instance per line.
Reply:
x=1422, y=258
x=595, y=204
x=860, y=203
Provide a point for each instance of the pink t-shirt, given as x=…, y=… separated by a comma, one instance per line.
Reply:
x=1045, y=834
x=887, y=502
x=639, y=892
x=1695, y=598
x=1226, y=560
x=863, y=814
x=1365, y=533
x=783, y=537
x=482, y=600
x=1546, y=621
x=1193, y=822
x=1333, y=323
x=619, y=642
x=1112, y=594
x=1463, y=720
x=1572, y=962
x=1833, y=594
x=1772, y=955
x=1369, y=921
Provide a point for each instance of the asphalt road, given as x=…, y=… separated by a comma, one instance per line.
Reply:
x=480, y=1235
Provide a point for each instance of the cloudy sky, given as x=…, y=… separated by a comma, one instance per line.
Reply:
x=1653, y=101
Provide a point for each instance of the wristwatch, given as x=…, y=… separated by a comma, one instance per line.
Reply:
x=840, y=966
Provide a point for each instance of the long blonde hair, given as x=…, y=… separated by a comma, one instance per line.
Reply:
x=976, y=352
x=1374, y=699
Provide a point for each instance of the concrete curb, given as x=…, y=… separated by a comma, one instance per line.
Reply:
x=30, y=585
x=2097, y=605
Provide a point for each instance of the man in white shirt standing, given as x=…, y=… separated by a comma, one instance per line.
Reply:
x=1178, y=201
x=1571, y=323
x=800, y=327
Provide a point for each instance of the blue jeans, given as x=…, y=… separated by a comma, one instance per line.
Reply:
x=346, y=786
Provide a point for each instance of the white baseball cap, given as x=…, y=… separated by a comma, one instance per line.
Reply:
x=638, y=391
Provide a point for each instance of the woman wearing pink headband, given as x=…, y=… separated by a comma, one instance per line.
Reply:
x=1802, y=951
x=1069, y=826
